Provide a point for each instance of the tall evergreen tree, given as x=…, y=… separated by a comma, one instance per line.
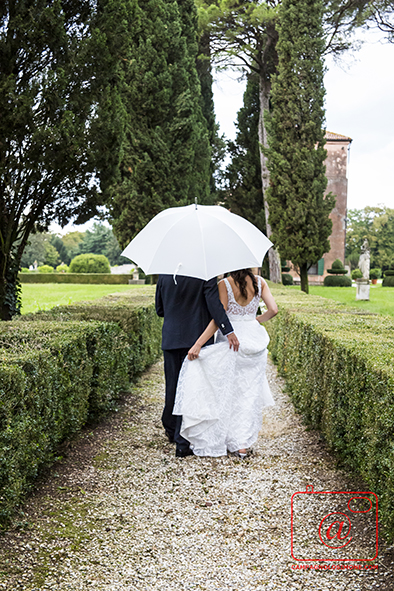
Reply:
x=57, y=242
x=203, y=151
x=243, y=35
x=244, y=192
x=165, y=149
x=299, y=212
x=71, y=242
x=51, y=74
x=100, y=239
x=217, y=142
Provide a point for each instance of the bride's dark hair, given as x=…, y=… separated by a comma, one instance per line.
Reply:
x=240, y=280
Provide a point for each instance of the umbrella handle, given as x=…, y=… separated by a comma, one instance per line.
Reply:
x=177, y=270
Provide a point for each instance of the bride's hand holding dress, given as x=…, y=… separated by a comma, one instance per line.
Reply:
x=212, y=327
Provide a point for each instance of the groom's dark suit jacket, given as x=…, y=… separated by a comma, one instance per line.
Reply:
x=188, y=307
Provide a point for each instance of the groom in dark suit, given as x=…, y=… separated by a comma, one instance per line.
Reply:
x=188, y=305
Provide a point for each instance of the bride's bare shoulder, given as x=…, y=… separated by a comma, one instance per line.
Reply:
x=262, y=281
x=222, y=285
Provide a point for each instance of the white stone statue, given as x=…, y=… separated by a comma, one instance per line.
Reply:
x=364, y=260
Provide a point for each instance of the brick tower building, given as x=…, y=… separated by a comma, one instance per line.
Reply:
x=337, y=147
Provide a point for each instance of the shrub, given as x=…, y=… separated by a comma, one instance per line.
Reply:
x=88, y=278
x=338, y=366
x=90, y=263
x=337, y=264
x=140, y=323
x=287, y=279
x=375, y=274
x=337, y=268
x=337, y=281
x=356, y=274
x=389, y=272
x=102, y=340
x=59, y=369
x=46, y=269
x=388, y=281
x=44, y=399
x=25, y=270
x=63, y=268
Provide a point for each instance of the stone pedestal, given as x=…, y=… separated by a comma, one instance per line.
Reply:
x=362, y=289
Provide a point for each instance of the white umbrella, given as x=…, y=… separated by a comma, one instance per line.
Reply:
x=200, y=241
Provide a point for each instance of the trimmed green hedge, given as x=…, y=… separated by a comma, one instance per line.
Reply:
x=41, y=404
x=337, y=281
x=338, y=365
x=137, y=319
x=388, y=281
x=61, y=368
x=106, y=344
x=92, y=278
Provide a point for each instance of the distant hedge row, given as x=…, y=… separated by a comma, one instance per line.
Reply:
x=58, y=369
x=338, y=365
x=92, y=278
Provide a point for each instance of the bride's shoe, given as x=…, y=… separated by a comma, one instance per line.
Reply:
x=240, y=454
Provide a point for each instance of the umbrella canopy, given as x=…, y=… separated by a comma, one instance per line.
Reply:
x=200, y=241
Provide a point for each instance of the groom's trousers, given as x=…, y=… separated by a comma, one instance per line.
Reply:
x=173, y=359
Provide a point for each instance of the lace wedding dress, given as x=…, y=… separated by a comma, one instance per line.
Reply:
x=221, y=394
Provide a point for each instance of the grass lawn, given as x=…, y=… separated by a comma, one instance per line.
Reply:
x=381, y=298
x=36, y=296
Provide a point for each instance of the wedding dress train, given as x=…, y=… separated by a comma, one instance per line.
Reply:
x=222, y=393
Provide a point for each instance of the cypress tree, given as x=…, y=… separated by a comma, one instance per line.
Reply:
x=165, y=150
x=243, y=35
x=244, y=192
x=202, y=150
x=299, y=212
x=217, y=143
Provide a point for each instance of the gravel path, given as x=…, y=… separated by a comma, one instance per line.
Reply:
x=119, y=512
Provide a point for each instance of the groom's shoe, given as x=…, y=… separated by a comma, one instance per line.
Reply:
x=183, y=453
x=170, y=437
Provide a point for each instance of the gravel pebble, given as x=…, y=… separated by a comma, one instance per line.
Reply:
x=137, y=518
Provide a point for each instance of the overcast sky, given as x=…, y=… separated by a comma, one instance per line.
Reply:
x=359, y=104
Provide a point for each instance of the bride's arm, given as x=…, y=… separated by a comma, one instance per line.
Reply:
x=212, y=327
x=272, y=308
x=194, y=352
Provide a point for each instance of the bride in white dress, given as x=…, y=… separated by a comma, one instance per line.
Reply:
x=221, y=393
